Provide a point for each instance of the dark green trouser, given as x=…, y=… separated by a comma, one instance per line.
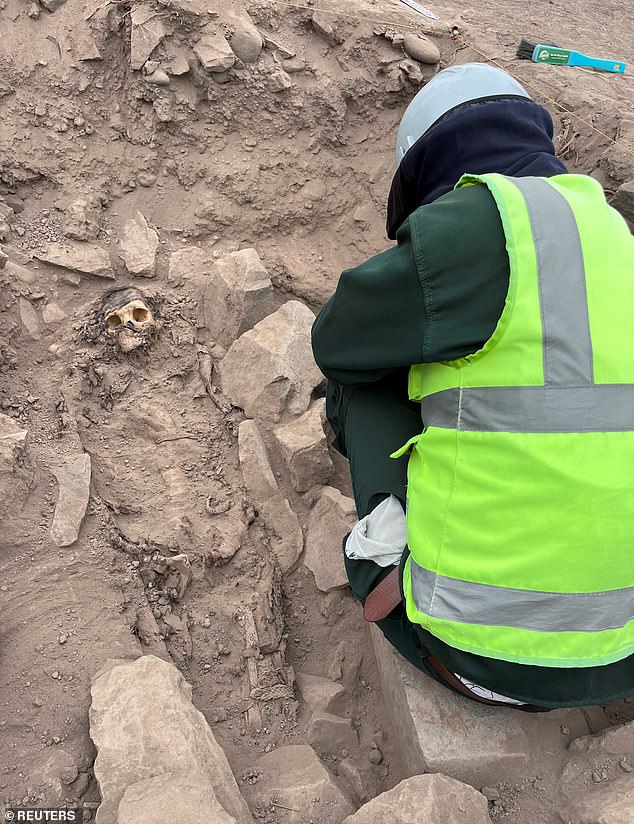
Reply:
x=370, y=422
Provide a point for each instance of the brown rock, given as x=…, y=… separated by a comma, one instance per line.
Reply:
x=29, y=319
x=52, y=5
x=52, y=314
x=187, y=798
x=421, y=49
x=80, y=257
x=331, y=518
x=433, y=799
x=304, y=448
x=246, y=42
x=138, y=246
x=73, y=479
x=281, y=372
x=322, y=23
x=288, y=542
x=254, y=462
x=143, y=724
x=331, y=734
x=146, y=33
x=16, y=469
x=615, y=740
x=214, y=53
x=321, y=693
x=609, y=804
x=295, y=778
x=80, y=221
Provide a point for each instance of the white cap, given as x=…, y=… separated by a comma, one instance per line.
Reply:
x=450, y=88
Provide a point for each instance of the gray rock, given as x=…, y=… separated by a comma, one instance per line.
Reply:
x=138, y=246
x=143, y=724
x=73, y=479
x=52, y=5
x=330, y=734
x=616, y=740
x=179, y=65
x=612, y=803
x=623, y=200
x=412, y=71
x=214, y=53
x=80, y=257
x=304, y=448
x=258, y=476
x=80, y=221
x=146, y=33
x=330, y=519
x=294, y=65
x=322, y=24
x=29, y=319
x=246, y=42
x=237, y=295
x=274, y=43
x=280, y=81
x=188, y=798
x=52, y=314
x=421, y=49
x=281, y=373
x=191, y=264
x=295, y=778
x=20, y=272
x=158, y=78
x=49, y=775
x=3, y=259
x=321, y=693
x=16, y=469
x=434, y=799
x=288, y=540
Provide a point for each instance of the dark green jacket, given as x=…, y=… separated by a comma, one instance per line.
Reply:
x=437, y=295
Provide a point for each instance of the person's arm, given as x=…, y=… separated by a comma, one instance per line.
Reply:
x=375, y=321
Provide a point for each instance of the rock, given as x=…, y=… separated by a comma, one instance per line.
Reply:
x=356, y=779
x=20, y=272
x=288, y=541
x=187, y=797
x=330, y=520
x=50, y=776
x=157, y=78
x=179, y=65
x=295, y=778
x=412, y=71
x=279, y=81
x=80, y=221
x=304, y=448
x=623, y=200
x=33, y=11
x=434, y=799
x=3, y=260
x=146, y=179
x=237, y=295
x=282, y=373
x=52, y=5
x=80, y=257
x=143, y=724
x=16, y=469
x=421, y=49
x=612, y=803
x=214, y=53
x=73, y=479
x=322, y=24
x=294, y=65
x=52, y=314
x=321, y=693
x=440, y=731
x=273, y=43
x=190, y=263
x=138, y=246
x=330, y=734
x=615, y=740
x=247, y=42
x=254, y=462
x=29, y=319
x=146, y=33
x=376, y=756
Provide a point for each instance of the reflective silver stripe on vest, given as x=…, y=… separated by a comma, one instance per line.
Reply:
x=453, y=599
x=567, y=347
x=592, y=408
x=569, y=401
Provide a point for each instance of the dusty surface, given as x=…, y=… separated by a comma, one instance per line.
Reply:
x=222, y=162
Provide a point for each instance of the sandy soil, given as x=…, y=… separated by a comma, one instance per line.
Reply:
x=302, y=175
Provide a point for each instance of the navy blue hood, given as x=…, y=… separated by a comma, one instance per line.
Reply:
x=511, y=136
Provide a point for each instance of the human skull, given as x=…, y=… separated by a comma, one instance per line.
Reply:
x=128, y=317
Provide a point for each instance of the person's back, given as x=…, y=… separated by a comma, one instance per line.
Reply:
x=518, y=572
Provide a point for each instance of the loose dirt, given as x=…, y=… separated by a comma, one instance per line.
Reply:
x=300, y=173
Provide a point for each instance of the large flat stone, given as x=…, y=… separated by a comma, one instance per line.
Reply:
x=86, y=258
x=238, y=294
x=287, y=540
x=440, y=731
x=295, y=778
x=147, y=31
x=611, y=803
x=321, y=693
x=144, y=725
x=425, y=799
x=330, y=519
x=616, y=740
x=188, y=798
x=214, y=53
x=270, y=369
x=138, y=246
x=303, y=445
x=258, y=476
x=73, y=480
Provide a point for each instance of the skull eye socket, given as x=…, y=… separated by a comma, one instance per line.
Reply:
x=113, y=321
x=140, y=315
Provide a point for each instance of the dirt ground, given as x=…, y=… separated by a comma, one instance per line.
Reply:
x=302, y=175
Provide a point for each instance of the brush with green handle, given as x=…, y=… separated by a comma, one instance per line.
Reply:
x=548, y=53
